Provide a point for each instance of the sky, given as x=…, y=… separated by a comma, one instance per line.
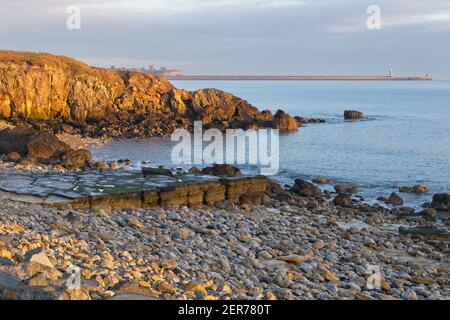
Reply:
x=238, y=37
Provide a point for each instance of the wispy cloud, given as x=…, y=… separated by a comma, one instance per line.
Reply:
x=183, y=6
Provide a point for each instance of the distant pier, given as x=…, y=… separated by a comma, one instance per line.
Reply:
x=303, y=78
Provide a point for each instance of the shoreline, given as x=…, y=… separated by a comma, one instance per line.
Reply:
x=287, y=248
x=299, y=243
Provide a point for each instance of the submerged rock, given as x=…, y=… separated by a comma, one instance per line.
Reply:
x=415, y=189
x=222, y=170
x=156, y=172
x=320, y=180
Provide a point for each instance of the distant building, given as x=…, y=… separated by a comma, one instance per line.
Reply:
x=391, y=73
x=163, y=71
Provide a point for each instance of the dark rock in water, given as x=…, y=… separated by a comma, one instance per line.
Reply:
x=222, y=170
x=284, y=122
x=36, y=146
x=395, y=200
x=346, y=188
x=320, y=180
x=76, y=159
x=306, y=189
x=415, y=189
x=156, y=172
x=382, y=199
x=102, y=166
x=430, y=231
x=14, y=157
x=343, y=200
x=441, y=202
x=195, y=170
x=353, y=114
x=301, y=121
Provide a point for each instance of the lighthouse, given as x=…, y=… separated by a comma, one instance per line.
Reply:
x=391, y=73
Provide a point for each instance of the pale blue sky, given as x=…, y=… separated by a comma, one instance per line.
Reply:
x=278, y=37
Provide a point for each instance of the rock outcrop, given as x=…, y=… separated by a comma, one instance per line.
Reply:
x=441, y=202
x=58, y=93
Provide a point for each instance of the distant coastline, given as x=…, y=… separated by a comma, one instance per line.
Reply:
x=303, y=78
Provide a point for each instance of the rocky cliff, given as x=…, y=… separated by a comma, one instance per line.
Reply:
x=58, y=93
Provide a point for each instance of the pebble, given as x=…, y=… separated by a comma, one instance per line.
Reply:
x=252, y=252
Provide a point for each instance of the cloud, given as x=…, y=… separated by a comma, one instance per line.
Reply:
x=186, y=6
x=238, y=36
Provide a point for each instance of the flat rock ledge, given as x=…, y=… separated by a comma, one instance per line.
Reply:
x=91, y=191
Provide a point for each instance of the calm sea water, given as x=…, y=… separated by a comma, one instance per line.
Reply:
x=404, y=139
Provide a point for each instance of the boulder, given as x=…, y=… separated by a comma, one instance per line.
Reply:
x=346, y=188
x=102, y=166
x=441, y=202
x=353, y=114
x=8, y=281
x=306, y=189
x=342, y=200
x=14, y=157
x=284, y=122
x=34, y=145
x=76, y=159
x=222, y=170
x=275, y=190
x=36, y=261
x=395, y=200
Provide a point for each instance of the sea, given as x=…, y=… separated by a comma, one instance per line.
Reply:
x=403, y=140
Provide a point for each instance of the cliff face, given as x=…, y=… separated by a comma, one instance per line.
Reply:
x=59, y=93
